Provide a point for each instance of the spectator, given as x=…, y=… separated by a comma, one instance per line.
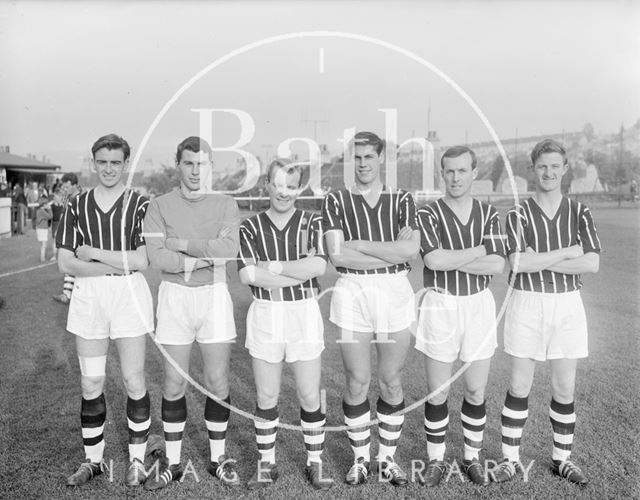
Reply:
x=20, y=201
x=32, y=202
x=43, y=217
x=57, y=208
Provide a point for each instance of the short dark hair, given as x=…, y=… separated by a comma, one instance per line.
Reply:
x=70, y=177
x=368, y=139
x=547, y=146
x=111, y=141
x=455, y=151
x=193, y=144
x=285, y=164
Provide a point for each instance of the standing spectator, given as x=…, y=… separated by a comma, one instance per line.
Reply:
x=43, y=217
x=32, y=202
x=70, y=189
x=57, y=208
x=20, y=201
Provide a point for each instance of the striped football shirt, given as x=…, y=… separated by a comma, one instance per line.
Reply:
x=261, y=240
x=84, y=223
x=348, y=212
x=440, y=228
x=528, y=226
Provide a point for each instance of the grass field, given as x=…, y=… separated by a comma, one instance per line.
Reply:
x=40, y=438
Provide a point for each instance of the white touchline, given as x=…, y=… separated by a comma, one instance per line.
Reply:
x=27, y=269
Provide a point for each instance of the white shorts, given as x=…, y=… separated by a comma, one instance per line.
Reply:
x=450, y=326
x=289, y=330
x=544, y=326
x=113, y=307
x=42, y=234
x=382, y=303
x=202, y=313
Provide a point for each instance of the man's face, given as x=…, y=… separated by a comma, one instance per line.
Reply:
x=458, y=175
x=367, y=163
x=548, y=170
x=109, y=164
x=283, y=189
x=195, y=169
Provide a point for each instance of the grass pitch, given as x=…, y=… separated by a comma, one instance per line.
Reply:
x=40, y=398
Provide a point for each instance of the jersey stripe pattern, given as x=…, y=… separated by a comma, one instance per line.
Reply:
x=84, y=223
x=350, y=213
x=261, y=240
x=528, y=226
x=440, y=228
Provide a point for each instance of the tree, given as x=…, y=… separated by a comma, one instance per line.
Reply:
x=163, y=181
x=496, y=171
x=588, y=131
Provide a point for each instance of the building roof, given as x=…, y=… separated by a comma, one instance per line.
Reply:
x=22, y=164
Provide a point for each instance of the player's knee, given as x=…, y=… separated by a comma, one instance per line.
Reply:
x=267, y=398
x=358, y=385
x=174, y=388
x=309, y=398
x=563, y=392
x=519, y=389
x=474, y=395
x=439, y=397
x=135, y=385
x=390, y=387
x=92, y=386
x=217, y=383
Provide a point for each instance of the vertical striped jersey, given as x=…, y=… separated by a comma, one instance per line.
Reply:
x=528, y=226
x=261, y=240
x=440, y=228
x=84, y=223
x=348, y=212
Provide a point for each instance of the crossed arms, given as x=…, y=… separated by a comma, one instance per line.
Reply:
x=89, y=261
x=469, y=260
x=570, y=260
x=280, y=274
x=364, y=254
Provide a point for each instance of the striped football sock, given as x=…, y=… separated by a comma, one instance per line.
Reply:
x=139, y=421
x=266, y=433
x=357, y=417
x=174, y=417
x=474, y=419
x=389, y=428
x=216, y=417
x=312, y=423
x=436, y=423
x=92, y=417
x=514, y=416
x=563, y=421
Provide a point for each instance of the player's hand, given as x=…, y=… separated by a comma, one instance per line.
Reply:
x=84, y=253
x=404, y=234
x=574, y=252
x=174, y=244
x=224, y=232
x=311, y=252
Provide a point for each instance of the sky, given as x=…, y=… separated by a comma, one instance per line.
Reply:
x=73, y=71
